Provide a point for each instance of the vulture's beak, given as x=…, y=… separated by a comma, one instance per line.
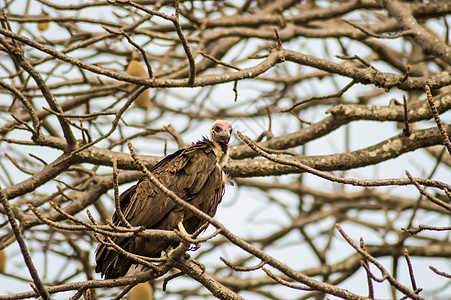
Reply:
x=224, y=136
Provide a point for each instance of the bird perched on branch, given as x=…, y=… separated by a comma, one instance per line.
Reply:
x=195, y=174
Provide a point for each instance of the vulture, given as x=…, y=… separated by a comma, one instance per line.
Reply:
x=196, y=174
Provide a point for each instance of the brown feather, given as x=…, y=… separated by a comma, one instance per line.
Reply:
x=195, y=175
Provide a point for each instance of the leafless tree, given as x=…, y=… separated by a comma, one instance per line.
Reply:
x=341, y=136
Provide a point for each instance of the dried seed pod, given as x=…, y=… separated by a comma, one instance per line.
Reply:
x=135, y=68
x=43, y=26
x=141, y=291
x=3, y=258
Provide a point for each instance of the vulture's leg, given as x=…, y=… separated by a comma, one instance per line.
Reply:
x=188, y=237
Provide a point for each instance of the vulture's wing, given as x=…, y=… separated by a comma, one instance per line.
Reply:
x=185, y=172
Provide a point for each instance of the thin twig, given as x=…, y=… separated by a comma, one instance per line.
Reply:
x=142, y=260
x=116, y=195
x=219, y=62
x=124, y=229
x=242, y=269
x=16, y=164
x=268, y=111
x=46, y=92
x=447, y=192
x=23, y=247
x=235, y=90
x=378, y=36
x=425, y=227
x=177, y=137
x=409, y=265
x=115, y=123
x=38, y=158
x=417, y=291
x=279, y=42
x=101, y=229
x=189, y=55
x=26, y=103
x=356, y=57
x=427, y=195
x=200, y=229
x=368, y=272
x=124, y=292
x=406, y=129
x=316, y=98
x=371, y=259
x=439, y=122
x=191, y=240
x=83, y=116
x=140, y=49
x=420, y=198
x=406, y=75
x=169, y=278
x=286, y=283
x=440, y=273
x=26, y=126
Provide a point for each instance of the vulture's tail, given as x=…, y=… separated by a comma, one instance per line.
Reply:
x=110, y=263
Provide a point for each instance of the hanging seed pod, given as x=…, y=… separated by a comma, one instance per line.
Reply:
x=135, y=68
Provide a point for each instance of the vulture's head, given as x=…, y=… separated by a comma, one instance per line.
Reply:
x=221, y=131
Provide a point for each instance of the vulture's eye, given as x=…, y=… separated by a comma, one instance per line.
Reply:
x=217, y=128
